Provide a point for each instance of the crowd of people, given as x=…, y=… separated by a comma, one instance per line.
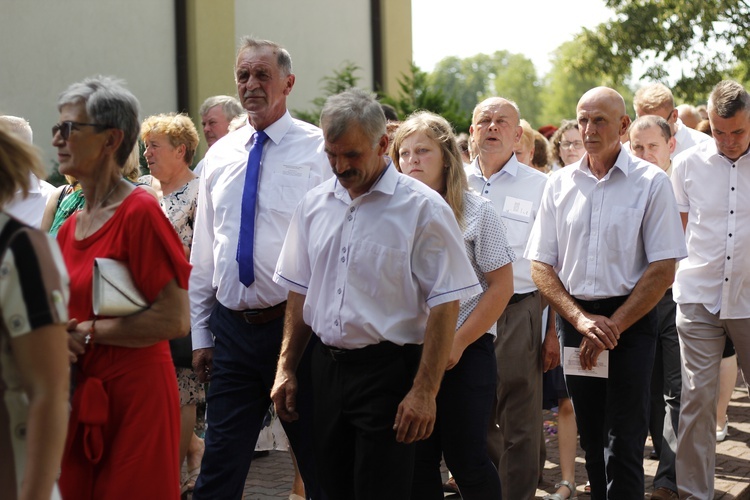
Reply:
x=396, y=294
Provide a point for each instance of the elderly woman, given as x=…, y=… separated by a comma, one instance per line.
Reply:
x=34, y=370
x=425, y=148
x=171, y=141
x=123, y=436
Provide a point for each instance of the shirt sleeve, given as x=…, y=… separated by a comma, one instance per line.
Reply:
x=678, y=186
x=663, y=237
x=491, y=248
x=439, y=259
x=542, y=244
x=202, y=292
x=293, y=269
x=34, y=284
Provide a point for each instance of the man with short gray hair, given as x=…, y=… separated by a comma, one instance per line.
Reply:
x=712, y=186
x=383, y=260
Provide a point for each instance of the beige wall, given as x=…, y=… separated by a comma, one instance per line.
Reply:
x=48, y=45
x=396, y=41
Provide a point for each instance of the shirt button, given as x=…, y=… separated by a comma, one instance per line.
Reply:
x=343, y=250
x=486, y=192
x=338, y=291
x=489, y=184
x=732, y=189
x=731, y=211
x=726, y=279
x=730, y=235
x=349, y=218
x=336, y=323
x=351, y=209
x=728, y=257
x=342, y=259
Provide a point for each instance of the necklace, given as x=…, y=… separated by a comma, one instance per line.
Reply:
x=97, y=206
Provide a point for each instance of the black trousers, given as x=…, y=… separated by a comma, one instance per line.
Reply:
x=356, y=397
x=612, y=413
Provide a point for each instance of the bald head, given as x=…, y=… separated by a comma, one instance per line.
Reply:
x=495, y=131
x=604, y=96
x=496, y=102
x=602, y=120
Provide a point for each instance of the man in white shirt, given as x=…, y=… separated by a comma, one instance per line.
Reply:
x=28, y=208
x=237, y=322
x=217, y=112
x=657, y=99
x=603, y=248
x=651, y=140
x=383, y=260
x=712, y=186
x=513, y=439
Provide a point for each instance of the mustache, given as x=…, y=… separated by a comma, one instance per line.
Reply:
x=253, y=93
x=344, y=175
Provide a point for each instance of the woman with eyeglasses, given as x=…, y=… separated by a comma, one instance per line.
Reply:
x=425, y=148
x=34, y=369
x=123, y=436
x=567, y=145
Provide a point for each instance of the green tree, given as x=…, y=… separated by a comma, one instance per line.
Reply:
x=707, y=37
x=516, y=79
x=342, y=79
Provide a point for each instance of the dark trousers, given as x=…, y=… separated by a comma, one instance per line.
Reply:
x=612, y=413
x=244, y=368
x=666, y=386
x=464, y=405
x=356, y=398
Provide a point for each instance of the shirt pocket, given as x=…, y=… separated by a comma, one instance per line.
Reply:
x=378, y=271
x=285, y=193
x=623, y=228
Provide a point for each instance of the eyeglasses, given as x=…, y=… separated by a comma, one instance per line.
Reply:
x=571, y=145
x=67, y=126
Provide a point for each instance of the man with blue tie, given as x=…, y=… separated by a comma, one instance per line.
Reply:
x=251, y=183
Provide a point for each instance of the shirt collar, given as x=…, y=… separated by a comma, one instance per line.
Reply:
x=275, y=131
x=622, y=162
x=510, y=167
x=385, y=184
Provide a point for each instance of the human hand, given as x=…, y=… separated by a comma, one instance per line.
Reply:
x=203, y=364
x=456, y=352
x=284, y=396
x=550, y=352
x=589, y=354
x=601, y=330
x=415, y=417
x=76, y=340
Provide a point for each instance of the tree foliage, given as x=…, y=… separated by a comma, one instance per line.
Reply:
x=342, y=79
x=708, y=38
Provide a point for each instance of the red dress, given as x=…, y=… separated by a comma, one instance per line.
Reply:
x=123, y=435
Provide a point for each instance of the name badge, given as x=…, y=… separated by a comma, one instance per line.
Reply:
x=517, y=209
x=298, y=171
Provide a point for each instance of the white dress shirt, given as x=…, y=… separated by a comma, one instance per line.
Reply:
x=29, y=209
x=293, y=162
x=515, y=191
x=600, y=235
x=686, y=138
x=715, y=193
x=374, y=265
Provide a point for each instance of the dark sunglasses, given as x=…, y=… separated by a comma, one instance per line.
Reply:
x=67, y=126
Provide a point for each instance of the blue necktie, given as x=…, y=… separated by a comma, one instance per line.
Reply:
x=247, y=219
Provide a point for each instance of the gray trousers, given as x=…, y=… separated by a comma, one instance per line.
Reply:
x=513, y=438
x=702, y=337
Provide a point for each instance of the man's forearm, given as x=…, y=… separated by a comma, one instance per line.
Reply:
x=438, y=339
x=296, y=333
x=554, y=292
x=646, y=294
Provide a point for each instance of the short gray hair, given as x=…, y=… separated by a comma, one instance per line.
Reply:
x=230, y=106
x=19, y=126
x=353, y=106
x=647, y=121
x=283, y=59
x=110, y=104
x=728, y=98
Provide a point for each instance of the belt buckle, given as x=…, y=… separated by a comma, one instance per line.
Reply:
x=251, y=316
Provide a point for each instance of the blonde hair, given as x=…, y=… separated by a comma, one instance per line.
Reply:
x=18, y=159
x=652, y=97
x=178, y=129
x=437, y=128
x=528, y=134
x=132, y=168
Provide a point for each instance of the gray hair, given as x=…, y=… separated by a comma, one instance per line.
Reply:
x=728, y=98
x=19, y=126
x=230, y=106
x=283, y=59
x=353, y=106
x=647, y=121
x=110, y=104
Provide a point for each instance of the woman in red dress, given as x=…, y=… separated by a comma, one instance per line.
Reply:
x=123, y=436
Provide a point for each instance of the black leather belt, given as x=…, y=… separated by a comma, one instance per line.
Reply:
x=373, y=351
x=260, y=316
x=518, y=297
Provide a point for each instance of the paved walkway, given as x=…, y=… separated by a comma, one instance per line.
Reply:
x=270, y=477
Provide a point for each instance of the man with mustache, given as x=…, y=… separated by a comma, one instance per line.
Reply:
x=250, y=184
x=375, y=265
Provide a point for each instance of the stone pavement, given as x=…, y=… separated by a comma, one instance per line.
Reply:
x=270, y=477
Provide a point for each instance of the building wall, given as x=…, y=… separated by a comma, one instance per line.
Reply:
x=46, y=46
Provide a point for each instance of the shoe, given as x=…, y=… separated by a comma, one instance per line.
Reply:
x=260, y=454
x=558, y=496
x=722, y=434
x=450, y=486
x=663, y=493
x=653, y=455
x=587, y=488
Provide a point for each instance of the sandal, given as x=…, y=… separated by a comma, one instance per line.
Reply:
x=556, y=496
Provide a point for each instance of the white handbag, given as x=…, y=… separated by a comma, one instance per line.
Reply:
x=115, y=293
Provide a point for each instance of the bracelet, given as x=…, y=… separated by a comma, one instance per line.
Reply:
x=92, y=331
